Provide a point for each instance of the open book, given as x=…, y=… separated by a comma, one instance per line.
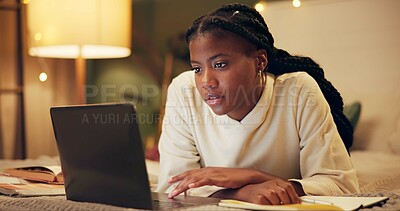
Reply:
x=47, y=174
x=31, y=189
x=313, y=203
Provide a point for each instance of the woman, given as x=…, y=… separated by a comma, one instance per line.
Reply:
x=251, y=122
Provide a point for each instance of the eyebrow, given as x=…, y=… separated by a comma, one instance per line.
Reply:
x=211, y=58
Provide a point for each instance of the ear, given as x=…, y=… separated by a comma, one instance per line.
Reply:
x=262, y=60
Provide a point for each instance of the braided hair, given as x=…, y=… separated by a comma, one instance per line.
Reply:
x=248, y=23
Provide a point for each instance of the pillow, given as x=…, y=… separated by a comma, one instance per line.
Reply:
x=352, y=112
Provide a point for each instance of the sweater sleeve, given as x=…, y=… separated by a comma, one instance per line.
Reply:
x=177, y=149
x=325, y=165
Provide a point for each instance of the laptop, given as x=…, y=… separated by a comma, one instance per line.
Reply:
x=102, y=158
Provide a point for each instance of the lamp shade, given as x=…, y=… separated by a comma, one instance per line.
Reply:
x=79, y=28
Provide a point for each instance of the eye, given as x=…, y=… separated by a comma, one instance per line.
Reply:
x=196, y=69
x=220, y=65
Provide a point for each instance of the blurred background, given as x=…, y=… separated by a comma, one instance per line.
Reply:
x=355, y=41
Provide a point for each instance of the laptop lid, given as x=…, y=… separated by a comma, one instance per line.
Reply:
x=102, y=155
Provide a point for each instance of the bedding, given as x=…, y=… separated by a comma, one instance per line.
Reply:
x=378, y=174
x=377, y=171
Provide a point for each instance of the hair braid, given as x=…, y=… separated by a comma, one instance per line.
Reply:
x=237, y=29
x=256, y=15
x=249, y=24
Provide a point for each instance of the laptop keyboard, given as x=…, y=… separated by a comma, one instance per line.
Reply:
x=157, y=204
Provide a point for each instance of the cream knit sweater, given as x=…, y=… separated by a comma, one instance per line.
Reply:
x=290, y=133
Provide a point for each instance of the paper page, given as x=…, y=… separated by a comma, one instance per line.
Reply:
x=12, y=180
x=319, y=203
x=41, y=190
x=32, y=189
x=347, y=203
x=252, y=206
x=55, y=169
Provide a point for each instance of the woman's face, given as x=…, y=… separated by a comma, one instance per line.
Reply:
x=226, y=72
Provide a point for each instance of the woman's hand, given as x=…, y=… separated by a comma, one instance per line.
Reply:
x=272, y=192
x=221, y=177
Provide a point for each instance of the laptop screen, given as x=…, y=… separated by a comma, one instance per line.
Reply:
x=102, y=154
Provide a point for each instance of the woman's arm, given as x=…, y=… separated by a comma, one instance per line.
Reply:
x=217, y=176
x=273, y=192
x=240, y=184
x=178, y=152
x=325, y=165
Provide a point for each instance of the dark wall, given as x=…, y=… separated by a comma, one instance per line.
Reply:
x=175, y=16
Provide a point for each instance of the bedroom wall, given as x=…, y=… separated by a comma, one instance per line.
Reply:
x=59, y=89
x=357, y=44
x=39, y=96
x=8, y=80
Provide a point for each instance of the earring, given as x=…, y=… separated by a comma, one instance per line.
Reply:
x=259, y=73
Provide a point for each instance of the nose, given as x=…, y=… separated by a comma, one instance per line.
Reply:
x=209, y=81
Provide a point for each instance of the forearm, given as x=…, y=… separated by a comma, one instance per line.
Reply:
x=238, y=194
x=233, y=193
x=226, y=194
x=259, y=177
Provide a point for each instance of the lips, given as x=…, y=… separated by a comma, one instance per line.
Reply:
x=213, y=99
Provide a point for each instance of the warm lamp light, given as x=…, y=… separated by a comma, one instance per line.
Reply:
x=79, y=29
x=260, y=6
x=89, y=29
x=296, y=3
x=42, y=76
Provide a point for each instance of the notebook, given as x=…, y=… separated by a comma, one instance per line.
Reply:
x=314, y=203
x=102, y=158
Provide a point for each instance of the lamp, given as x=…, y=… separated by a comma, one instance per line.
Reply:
x=79, y=29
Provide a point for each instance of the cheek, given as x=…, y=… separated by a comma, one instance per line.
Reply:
x=197, y=81
x=242, y=79
x=241, y=87
x=233, y=87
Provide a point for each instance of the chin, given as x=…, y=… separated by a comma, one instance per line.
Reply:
x=218, y=111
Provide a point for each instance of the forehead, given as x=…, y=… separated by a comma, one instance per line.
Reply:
x=221, y=40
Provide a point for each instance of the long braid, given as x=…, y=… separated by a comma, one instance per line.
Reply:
x=249, y=24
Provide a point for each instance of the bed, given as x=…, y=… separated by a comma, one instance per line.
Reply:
x=378, y=174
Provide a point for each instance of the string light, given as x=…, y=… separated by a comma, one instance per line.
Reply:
x=259, y=7
x=43, y=77
x=296, y=3
x=38, y=36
